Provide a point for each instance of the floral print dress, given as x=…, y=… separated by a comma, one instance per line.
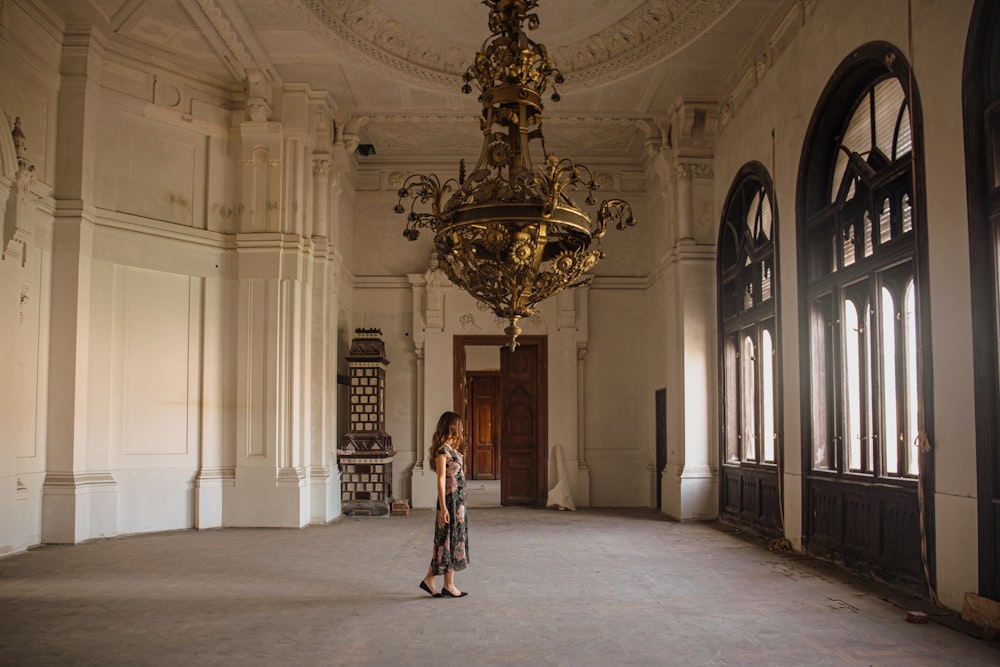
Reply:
x=451, y=540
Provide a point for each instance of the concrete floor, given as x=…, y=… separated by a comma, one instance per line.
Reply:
x=545, y=588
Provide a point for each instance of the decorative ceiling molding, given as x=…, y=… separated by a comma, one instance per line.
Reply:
x=232, y=37
x=651, y=33
x=224, y=27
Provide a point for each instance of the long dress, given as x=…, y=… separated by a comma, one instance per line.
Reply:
x=451, y=541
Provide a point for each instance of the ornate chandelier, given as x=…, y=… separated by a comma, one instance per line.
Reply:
x=508, y=233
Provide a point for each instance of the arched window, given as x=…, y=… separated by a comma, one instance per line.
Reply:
x=859, y=251
x=747, y=292
x=981, y=94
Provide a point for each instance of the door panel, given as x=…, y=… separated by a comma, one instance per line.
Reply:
x=484, y=402
x=522, y=465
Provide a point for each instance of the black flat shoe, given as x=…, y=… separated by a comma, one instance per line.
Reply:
x=445, y=593
x=427, y=588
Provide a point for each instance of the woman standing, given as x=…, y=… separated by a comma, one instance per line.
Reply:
x=451, y=539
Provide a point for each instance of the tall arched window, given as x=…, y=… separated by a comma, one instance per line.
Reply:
x=860, y=244
x=747, y=293
x=981, y=94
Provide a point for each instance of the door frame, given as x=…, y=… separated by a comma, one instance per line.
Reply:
x=459, y=397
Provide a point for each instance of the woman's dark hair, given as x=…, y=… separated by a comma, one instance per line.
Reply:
x=450, y=429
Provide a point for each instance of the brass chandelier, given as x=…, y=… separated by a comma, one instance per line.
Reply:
x=508, y=233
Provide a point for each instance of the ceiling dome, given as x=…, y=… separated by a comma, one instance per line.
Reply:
x=591, y=41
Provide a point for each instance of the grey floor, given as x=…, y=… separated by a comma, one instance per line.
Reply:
x=546, y=588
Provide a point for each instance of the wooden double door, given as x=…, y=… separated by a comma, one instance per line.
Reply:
x=505, y=413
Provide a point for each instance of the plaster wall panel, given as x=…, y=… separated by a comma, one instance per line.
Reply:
x=27, y=287
x=218, y=368
x=157, y=400
x=154, y=499
x=379, y=247
x=939, y=67
x=150, y=169
x=612, y=372
x=956, y=521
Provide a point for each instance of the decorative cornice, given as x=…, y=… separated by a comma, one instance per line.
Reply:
x=224, y=27
x=763, y=60
x=652, y=32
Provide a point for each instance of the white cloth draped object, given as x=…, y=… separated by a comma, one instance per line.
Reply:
x=560, y=496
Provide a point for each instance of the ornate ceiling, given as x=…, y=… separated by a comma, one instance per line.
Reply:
x=393, y=67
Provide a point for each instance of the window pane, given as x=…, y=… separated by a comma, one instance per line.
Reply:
x=765, y=282
x=852, y=378
x=993, y=144
x=858, y=137
x=889, y=99
x=869, y=244
x=910, y=333
x=869, y=392
x=849, y=246
x=907, y=214
x=765, y=217
x=890, y=433
x=884, y=222
x=752, y=230
x=904, y=139
x=747, y=400
x=732, y=427
x=767, y=395
x=820, y=381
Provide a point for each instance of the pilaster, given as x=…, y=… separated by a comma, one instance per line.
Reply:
x=79, y=495
x=690, y=478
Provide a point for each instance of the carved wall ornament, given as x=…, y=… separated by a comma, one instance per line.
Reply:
x=689, y=170
x=761, y=64
x=435, y=282
x=258, y=109
x=467, y=322
x=16, y=228
x=725, y=113
x=321, y=165
x=650, y=33
x=166, y=93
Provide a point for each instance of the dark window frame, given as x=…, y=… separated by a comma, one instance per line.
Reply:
x=737, y=319
x=981, y=111
x=830, y=497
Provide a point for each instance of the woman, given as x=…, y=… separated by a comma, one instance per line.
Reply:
x=451, y=543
